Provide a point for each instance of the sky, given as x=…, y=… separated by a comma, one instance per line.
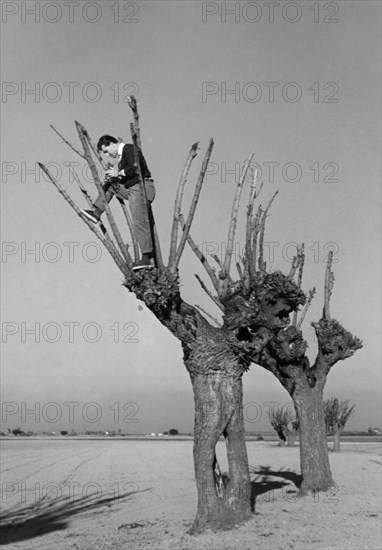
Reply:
x=295, y=83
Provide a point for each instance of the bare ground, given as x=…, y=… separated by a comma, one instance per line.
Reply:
x=127, y=495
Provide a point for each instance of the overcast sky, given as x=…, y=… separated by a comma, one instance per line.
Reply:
x=296, y=83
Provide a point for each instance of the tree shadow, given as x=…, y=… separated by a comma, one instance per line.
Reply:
x=263, y=482
x=49, y=515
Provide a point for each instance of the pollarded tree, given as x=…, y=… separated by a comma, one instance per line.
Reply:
x=337, y=413
x=255, y=317
x=285, y=424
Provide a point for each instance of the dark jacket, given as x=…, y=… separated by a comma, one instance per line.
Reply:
x=126, y=163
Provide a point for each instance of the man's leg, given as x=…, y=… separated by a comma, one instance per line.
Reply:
x=139, y=215
x=98, y=205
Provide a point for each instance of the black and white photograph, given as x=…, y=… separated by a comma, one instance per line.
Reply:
x=191, y=275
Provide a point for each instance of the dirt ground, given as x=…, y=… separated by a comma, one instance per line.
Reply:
x=126, y=495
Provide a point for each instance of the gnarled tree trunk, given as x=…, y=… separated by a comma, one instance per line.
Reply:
x=223, y=502
x=315, y=468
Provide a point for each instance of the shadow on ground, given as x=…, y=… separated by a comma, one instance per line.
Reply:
x=48, y=515
x=264, y=481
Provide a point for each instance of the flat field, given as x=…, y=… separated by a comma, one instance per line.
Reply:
x=67, y=494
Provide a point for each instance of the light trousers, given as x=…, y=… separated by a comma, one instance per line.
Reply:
x=138, y=210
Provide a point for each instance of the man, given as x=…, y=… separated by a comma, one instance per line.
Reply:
x=123, y=180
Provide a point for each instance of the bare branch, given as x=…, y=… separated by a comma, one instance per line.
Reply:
x=134, y=107
x=297, y=262
x=213, y=298
x=262, y=265
x=306, y=307
x=255, y=228
x=235, y=209
x=97, y=154
x=218, y=324
x=106, y=242
x=194, y=202
x=200, y=255
x=89, y=201
x=294, y=266
x=224, y=278
x=329, y=282
x=217, y=260
x=249, y=264
x=67, y=142
x=178, y=202
x=301, y=266
x=85, y=142
x=82, y=189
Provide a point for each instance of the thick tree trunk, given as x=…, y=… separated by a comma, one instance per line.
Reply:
x=315, y=468
x=336, y=440
x=222, y=503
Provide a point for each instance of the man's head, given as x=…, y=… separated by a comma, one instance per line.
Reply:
x=108, y=145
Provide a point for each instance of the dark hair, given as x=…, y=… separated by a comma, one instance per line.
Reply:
x=105, y=140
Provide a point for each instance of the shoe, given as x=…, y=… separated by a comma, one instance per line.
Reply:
x=91, y=215
x=145, y=263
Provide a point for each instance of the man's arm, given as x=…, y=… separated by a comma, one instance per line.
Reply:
x=126, y=165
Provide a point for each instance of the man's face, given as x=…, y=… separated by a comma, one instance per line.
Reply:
x=110, y=150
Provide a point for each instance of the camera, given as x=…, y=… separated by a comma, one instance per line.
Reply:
x=112, y=181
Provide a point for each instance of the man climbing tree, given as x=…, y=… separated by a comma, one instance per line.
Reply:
x=123, y=180
x=255, y=328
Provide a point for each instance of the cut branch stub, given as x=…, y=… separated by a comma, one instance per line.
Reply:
x=329, y=282
x=134, y=107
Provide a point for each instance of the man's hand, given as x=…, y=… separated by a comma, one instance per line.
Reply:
x=112, y=172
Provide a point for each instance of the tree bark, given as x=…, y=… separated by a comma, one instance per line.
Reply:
x=315, y=468
x=219, y=411
x=314, y=457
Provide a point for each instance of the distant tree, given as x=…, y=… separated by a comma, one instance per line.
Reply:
x=173, y=431
x=17, y=431
x=285, y=425
x=337, y=413
x=63, y=432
